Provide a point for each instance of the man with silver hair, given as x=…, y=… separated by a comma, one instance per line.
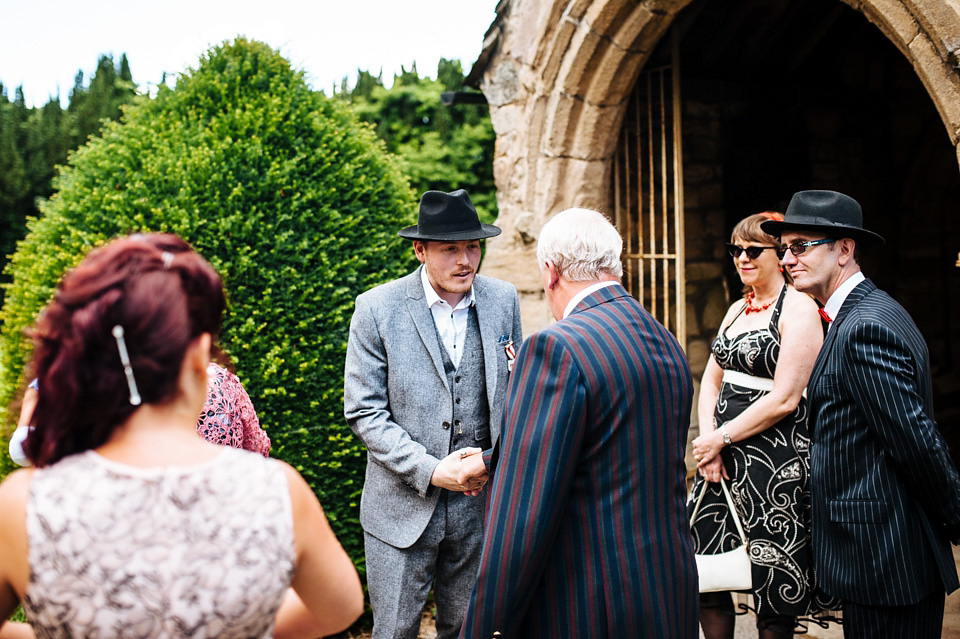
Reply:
x=586, y=533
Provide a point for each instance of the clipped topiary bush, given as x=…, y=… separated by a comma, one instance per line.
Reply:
x=289, y=197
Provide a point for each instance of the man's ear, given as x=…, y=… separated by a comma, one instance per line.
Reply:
x=551, y=275
x=420, y=250
x=846, y=248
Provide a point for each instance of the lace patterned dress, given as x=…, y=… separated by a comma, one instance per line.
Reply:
x=228, y=417
x=769, y=474
x=194, y=551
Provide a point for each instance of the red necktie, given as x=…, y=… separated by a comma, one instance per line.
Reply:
x=823, y=314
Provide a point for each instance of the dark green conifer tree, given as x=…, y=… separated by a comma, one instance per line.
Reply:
x=441, y=147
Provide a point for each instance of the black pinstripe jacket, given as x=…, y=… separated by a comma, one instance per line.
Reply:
x=885, y=494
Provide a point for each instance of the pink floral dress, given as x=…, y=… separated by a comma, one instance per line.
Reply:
x=228, y=417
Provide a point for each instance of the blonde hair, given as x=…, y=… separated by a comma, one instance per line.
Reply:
x=748, y=229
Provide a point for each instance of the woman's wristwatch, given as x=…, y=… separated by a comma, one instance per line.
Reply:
x=726, y=436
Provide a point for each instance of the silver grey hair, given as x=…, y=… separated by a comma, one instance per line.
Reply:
x=582, y=244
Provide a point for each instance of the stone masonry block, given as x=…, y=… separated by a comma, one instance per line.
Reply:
x=633, y=33
x=643, y=30
x=580, y=61
x=940, y=21
x=595, y=137
x=555, y=53
x=516, y=264
x=615, y=77
x=941, y=82
x=892, y=18
x=604, y=16
x=504, y=86
x=565, y=182
x=563, y=115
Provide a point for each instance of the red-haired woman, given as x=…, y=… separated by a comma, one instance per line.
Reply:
x=228, y=417
x=131, y=525
x=753, y=432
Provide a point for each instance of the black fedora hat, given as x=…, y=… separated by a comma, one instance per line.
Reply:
x=448, y=217
x=828, y=212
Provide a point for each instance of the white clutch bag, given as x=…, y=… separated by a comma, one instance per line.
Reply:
x=729, y=570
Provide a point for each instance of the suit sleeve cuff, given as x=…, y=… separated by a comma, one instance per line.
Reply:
x=424, y=474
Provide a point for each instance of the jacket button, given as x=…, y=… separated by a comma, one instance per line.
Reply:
x=456, y=379
x=446, y=425
x=458, y=400
x=456, y=422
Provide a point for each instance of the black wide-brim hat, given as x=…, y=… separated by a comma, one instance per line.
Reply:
x=448, y=217
x=828, y=212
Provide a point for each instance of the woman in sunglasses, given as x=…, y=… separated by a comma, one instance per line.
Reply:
x=753, y=433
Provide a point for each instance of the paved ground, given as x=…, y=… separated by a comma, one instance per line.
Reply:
x=747, y=625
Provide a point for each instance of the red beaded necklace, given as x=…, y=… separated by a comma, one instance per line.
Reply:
x=756, y=309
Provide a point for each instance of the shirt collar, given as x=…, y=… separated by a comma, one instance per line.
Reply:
x=572, y=304
x=432, y=297
x=832, y=307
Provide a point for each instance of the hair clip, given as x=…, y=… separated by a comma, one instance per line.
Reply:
x=167, y=257
x=127, y=369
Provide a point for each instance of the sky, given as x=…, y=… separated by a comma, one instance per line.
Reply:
x=43, y=43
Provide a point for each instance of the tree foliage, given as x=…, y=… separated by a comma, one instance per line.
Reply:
x=33, y=141
x=292, y=199
x=441, y=147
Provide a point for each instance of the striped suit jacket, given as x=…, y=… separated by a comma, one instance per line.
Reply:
x=586, y=533
x=884, y=491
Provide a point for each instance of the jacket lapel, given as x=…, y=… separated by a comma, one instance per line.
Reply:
x=488, y=339
x=860, y=291
x=423, y=320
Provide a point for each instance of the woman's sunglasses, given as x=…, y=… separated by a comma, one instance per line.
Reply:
x=753, y=252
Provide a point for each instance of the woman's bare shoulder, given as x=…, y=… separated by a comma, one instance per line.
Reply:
x=15, y=486
x=799, y=302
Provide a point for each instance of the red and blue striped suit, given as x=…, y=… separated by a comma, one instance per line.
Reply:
x=586, y=532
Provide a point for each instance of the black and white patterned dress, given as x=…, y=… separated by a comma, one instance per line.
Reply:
x=769, y=474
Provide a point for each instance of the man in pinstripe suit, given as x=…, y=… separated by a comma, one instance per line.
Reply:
x=885, y=494
x=586, y=533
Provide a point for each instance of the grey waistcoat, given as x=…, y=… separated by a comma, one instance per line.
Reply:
x=468, y=391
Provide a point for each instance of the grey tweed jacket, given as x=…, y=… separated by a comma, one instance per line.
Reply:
x=396, y=396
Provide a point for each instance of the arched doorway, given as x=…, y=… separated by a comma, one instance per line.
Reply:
x=778, y=96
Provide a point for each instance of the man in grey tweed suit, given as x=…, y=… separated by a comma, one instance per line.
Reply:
x=884, y=492
x=424, y=385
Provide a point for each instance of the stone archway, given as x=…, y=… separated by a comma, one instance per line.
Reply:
x=557, y=75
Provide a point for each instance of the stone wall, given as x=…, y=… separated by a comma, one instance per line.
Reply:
x=557, y=80
x=557, y=75
x=708, y=294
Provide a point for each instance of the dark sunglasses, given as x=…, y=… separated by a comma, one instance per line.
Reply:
x=801, y=247
x=753, y=252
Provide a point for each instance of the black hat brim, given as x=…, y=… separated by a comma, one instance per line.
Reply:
x=485, y=231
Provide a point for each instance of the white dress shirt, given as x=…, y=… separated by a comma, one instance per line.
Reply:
x=572, y=304
x=451, y=323
x=832, y=307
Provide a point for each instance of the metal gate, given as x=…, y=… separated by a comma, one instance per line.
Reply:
x=648, y=195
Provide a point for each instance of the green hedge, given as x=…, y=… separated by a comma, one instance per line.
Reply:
x=295, y=203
